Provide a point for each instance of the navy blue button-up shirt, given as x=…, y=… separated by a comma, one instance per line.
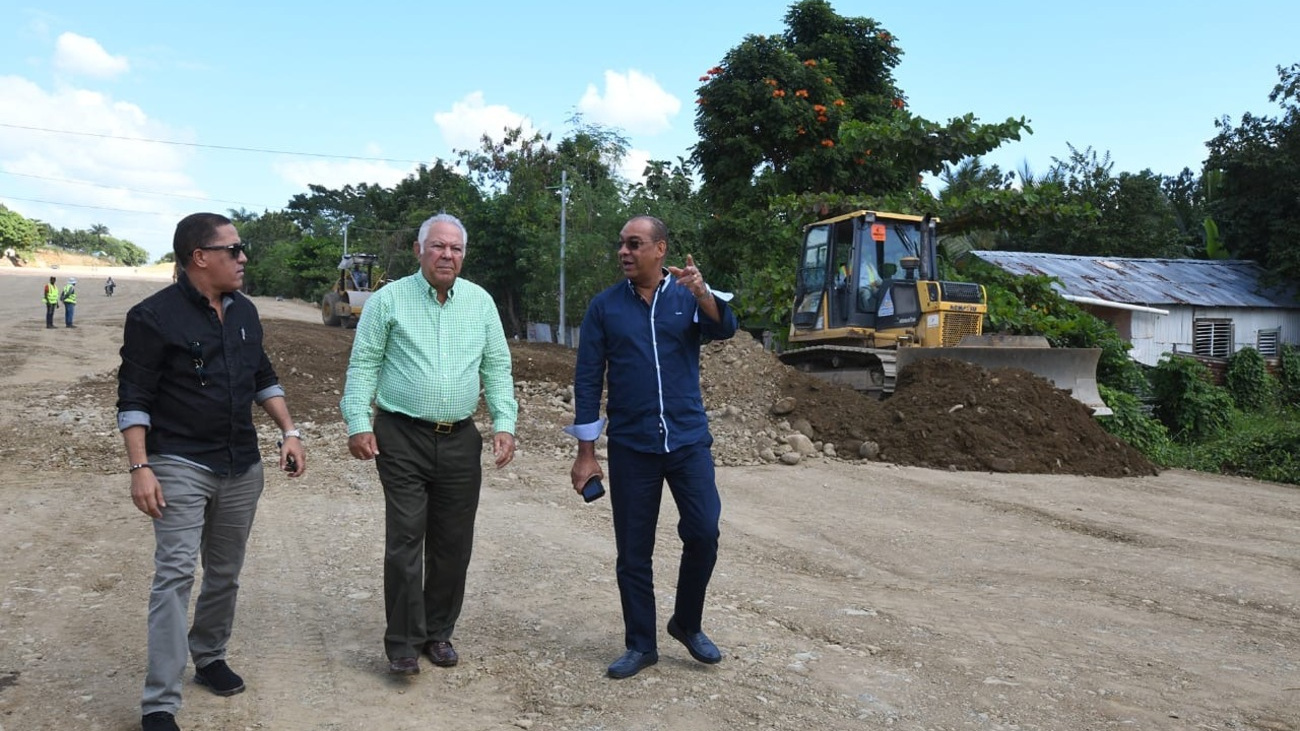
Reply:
x=650, y=355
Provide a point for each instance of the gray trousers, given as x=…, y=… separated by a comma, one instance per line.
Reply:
x=208, y=518
x=431, y=490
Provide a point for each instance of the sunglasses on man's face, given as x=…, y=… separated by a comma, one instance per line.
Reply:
x=234, y=249
x=632, y=244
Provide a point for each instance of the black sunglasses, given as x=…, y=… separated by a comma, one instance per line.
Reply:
x=234, y=249
x=631, y=244
x=196, y=352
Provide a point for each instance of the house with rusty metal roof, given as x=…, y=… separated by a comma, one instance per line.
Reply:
x=1209, y=308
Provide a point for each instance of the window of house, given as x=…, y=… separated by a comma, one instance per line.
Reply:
x=1212, y=338
x=1266, y=342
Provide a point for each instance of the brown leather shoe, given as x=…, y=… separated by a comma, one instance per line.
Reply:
x=404, y=666
x=441, y=653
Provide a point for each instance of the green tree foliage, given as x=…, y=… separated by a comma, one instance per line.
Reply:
x=96, y=242
x=1257, y=209
x=1248, y=381
x=18, y=233
x=1187, y=402
x=1124, y=214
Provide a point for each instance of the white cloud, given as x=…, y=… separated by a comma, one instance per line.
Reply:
x=634, y=102
x=75, y=181
x=469, y=119
x=81, y=55
x=632, y=168
x=336, y=174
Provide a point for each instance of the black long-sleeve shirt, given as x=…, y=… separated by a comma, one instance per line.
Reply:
x=191, y=378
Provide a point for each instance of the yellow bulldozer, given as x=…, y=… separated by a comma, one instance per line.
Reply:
x=868, y=301
x=342, y=305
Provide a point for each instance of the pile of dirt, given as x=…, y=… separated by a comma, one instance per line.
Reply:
x=944, y=414
x=948, y=414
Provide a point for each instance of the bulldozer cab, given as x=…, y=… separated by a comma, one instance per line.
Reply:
x=860, y=271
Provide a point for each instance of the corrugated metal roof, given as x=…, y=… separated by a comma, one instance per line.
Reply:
x=1198, y=282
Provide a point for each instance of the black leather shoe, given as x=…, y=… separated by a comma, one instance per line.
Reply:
x=219, y=678
x=441, y=653
x=159, y=721
x=404, y=666
x=697, y=643
x=632, y=663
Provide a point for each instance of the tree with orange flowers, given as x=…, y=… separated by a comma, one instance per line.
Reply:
x=814, y=111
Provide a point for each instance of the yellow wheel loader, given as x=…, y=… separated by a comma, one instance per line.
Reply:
x=868, y=302
x=342, y=305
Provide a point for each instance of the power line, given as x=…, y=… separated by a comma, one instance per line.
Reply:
x=212, y=147
x=82, y=205
x=131, y=190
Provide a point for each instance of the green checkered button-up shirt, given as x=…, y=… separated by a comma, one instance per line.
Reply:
x=425, y=359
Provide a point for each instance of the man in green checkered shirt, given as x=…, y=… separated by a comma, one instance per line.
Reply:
x=424, y=346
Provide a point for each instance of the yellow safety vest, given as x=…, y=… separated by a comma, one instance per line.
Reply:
x=51, y=294
x=69, y=295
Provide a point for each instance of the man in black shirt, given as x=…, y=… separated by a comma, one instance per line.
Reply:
x=192, y=367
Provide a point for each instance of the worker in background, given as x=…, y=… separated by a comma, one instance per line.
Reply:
x=50, y=297
x=69, y=299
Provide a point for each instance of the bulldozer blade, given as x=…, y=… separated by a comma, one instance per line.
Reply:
x=1069, y=369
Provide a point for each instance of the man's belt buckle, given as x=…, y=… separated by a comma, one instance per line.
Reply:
x=442, y=427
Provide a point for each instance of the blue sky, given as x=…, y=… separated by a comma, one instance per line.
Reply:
x=397, y=83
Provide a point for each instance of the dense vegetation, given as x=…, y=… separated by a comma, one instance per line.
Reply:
x=809, y=123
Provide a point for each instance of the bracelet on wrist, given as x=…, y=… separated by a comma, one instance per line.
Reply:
x=292, y=433
x=140, y=466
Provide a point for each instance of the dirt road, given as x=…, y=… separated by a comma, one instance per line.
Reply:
x=848, y=594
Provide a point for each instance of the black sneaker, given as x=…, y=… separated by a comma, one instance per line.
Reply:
x=219, y=678
x=159, y=721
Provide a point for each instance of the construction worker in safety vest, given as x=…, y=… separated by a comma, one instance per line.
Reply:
x=51, y=300
x=69, y=299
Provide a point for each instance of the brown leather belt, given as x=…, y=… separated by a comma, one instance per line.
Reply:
x=441, y=428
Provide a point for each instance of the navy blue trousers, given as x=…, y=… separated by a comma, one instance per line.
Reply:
x=636, y=482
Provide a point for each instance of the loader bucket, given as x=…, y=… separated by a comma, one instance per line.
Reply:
x=1069, y=369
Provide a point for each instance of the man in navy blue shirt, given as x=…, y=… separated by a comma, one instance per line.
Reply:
x=643, y=336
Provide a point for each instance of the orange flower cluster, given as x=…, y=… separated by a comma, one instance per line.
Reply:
x=779, y=93
x=828, y=80
x=802, y=93
x=810, y=63
x=898, y=104
x=828, y=143
x=838, y=102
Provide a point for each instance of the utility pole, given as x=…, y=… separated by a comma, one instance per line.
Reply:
x=563, y=338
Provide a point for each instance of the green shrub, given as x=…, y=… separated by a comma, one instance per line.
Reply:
x=1248, y=381
x=1260, y=446
x=1187, y=403
x=1130, y=423
x=1289, y=376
